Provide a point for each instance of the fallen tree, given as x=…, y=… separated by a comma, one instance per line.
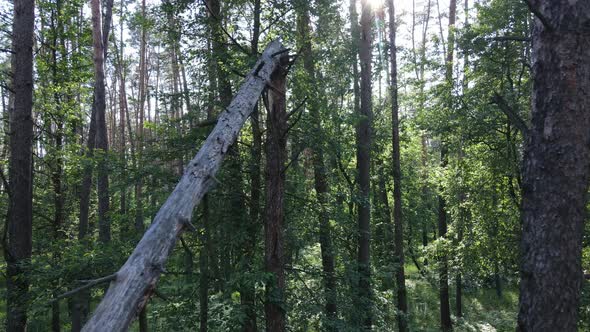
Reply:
x=135, y=282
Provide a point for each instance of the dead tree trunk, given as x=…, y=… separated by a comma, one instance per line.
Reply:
x=276, y=154
x=137, y=278
x=17, y=251
x=556, y=167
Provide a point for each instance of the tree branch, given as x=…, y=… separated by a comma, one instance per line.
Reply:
x=512, y=115
x=539, y=15
x=235, y=42
x=90, y=284
x=511, y=38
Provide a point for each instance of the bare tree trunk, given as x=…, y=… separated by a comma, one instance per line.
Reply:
x=136, y=279
x=363, y=156
x=276, y=155
x=402, y=302
x=17, y=252
x=556, y=168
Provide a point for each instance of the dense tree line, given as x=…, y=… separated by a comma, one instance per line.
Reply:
x=332, y=165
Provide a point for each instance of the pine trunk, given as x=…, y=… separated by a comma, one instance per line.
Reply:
x=400, y=277
x=17, y=252
x=556, y=168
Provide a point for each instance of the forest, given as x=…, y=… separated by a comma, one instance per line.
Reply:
x=294, y=165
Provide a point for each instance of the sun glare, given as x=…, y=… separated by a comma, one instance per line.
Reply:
x=377, y=3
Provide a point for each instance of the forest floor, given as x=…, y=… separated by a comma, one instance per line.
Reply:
x=483, y=309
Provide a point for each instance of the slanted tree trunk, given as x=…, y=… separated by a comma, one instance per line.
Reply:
x=556, y=168
x=276, y=155
x=136, y=279
x=17, y=252
x=400, y=277
x=320, y=177
x=363, y=156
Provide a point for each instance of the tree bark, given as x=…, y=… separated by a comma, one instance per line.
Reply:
x=400, y=277
x=276, y=155
x=17, y=252
x=556, y=168
x=363, y=156
x=137, y=278
x=99, y=104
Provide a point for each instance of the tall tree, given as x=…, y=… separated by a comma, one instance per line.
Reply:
x=248, y=298
x=363, y=159
x=99, y=105
x=402, y=302
x=17, y=250
x=139, y=226
x=462, y=197
x=445, y=308
x=276, y=155
x=556, y=167
x=319, y=169
x=134, y=283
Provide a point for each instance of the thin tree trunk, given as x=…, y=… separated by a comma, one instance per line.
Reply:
x=139, y=217
x=207, y=249
x=122, y=113
x=99, y=108
x=206, y=252
x=17, y=252
x=276, y=155
x=445, y=310
x=248, y=298
x=136, y=280
x=143, y=321
x=400, y=277
x=363, y=138
x=320, y=178
x=462, y=197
